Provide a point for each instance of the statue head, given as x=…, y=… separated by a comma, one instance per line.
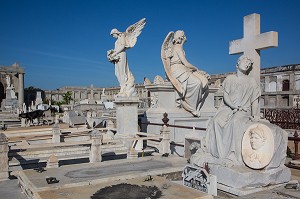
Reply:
x=114, y=32
x=257, y=137
x=244, y=64
x=179, y=37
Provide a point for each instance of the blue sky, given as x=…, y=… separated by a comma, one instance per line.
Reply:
x=64, y=42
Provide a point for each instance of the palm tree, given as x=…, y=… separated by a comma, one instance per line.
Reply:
x=67, y=97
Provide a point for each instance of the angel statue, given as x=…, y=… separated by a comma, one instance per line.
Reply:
x=117, y=56
x=190, y=83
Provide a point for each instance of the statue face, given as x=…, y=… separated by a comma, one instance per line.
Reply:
x=244, y=65
x=256, y=141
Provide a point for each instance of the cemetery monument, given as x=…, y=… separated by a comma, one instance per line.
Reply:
x=186, y=97
x=190, y=83
x=117, y=56
x=239, y=144
x=126, y=100
x=10, y=102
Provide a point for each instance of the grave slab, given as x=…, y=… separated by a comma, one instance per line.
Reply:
x=33, y=182
x=168, y=190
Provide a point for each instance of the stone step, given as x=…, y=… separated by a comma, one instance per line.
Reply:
x=75, y=154
x=17, y=162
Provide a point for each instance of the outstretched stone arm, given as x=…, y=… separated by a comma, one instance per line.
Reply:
x=182, y=58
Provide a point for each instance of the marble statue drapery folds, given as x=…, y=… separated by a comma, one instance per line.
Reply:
x=224, y=130
x=239, y=111
x=190, y=83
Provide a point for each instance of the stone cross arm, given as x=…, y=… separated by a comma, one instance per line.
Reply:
x=260, y=42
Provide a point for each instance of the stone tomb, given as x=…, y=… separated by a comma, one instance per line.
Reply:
x=83, y=180
x=163, y=99
x=158, y=187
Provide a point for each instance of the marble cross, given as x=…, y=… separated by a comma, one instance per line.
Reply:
x=253, y=42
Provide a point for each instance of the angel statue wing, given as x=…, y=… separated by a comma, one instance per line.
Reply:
x=133, y=31
x=166, y=55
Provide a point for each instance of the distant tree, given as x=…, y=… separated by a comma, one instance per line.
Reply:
x=46, y=101
x=30, y=94
x=67, y=97
x=58, y=103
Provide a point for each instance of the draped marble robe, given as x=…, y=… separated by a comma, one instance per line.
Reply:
x=192, y=86
x=226, y=129
x=121, y=66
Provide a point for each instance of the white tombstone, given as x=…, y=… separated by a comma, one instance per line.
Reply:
x=52, y=162
x=24, y=108
x=38, y=99
x=95, y=153
x=56, y=133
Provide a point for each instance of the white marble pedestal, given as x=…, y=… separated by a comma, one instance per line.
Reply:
x=127, y=119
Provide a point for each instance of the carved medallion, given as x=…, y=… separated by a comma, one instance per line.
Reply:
x=258, y=146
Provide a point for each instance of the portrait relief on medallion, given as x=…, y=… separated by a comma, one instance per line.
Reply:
x=257, y=146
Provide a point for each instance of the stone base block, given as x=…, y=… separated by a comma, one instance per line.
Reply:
x=127, y=115
x=4, y=176
x=241, y=177
x=245, y=191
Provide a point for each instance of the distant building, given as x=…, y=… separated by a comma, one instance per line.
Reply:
x=83, y=93
x=280, y=86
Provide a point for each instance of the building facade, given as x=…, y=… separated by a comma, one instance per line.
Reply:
x=82, y=93
x=280, y=86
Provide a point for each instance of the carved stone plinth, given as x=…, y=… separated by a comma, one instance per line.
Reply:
x=246, y=177
x=56, y=133
x=96, y=153
x=127, y=115
x=127, y=119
